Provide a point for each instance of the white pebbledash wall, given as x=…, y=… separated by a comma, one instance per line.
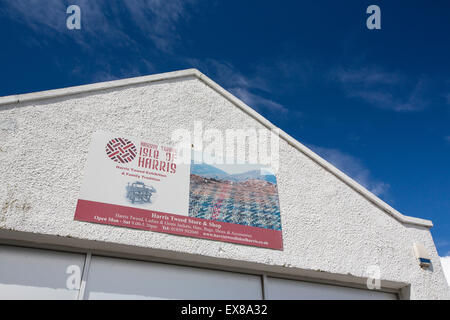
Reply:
x=333, y=229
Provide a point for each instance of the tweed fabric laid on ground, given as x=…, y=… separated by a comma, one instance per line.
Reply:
x=252, y=202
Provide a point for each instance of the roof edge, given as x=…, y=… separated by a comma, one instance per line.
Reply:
x=55, y=93
x=42, y=95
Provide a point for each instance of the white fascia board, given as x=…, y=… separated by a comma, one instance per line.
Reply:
x=35, y=96
x=48, y=94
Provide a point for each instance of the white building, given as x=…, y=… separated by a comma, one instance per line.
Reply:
x=337, y=236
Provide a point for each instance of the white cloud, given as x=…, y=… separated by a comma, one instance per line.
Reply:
x=447, y=98
x=382, y=89
x=244, y=87
x=36, y=15
x=102, y=26
x=353, y=168
x=257, y=101
x=445, y=262
x=227, y=75
x=48, y=20
x=366, y=76
x=158, y=19
x=101, y=21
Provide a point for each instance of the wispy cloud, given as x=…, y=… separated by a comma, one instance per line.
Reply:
x=48, y=20
x=250, y=89
x=366, y=76
x=258, y=101
x=104, y=25
x=383, y=89
x=447, y=98
x=354, y=168
x=228, y=75
x=288, y=74
x=35, y=14
x=159, y=18
x=102, y=20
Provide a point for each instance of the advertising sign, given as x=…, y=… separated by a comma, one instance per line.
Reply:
x=133, y=183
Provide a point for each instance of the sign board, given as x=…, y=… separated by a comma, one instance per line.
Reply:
x=133, y=183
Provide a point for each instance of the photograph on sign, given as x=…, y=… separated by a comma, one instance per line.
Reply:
x=235, y=193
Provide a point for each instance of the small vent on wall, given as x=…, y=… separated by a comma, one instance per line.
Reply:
x=422, y=255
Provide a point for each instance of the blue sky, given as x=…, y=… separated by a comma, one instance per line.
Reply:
x=375, y=103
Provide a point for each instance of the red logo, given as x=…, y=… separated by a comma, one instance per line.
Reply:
x=121, y=150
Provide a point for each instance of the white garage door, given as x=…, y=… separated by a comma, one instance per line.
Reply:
x=111, y=278
x=44, y=274
x=282, y=289
x=37, y=274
